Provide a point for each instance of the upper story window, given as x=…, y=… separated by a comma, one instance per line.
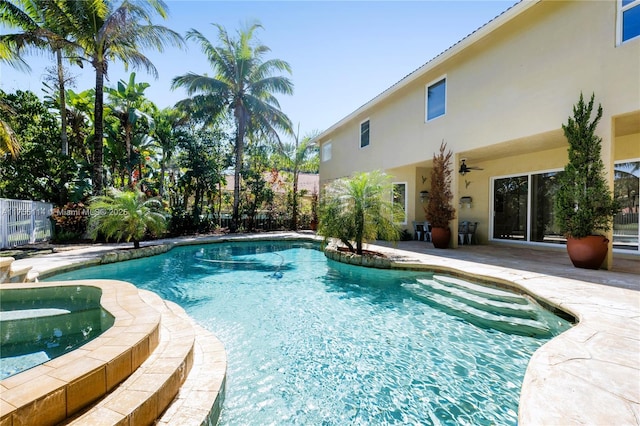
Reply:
x=628, y=20
x=436, y=99
x=326, y=151
x=364, y=133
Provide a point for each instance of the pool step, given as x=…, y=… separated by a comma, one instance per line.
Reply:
x=10, y=272
x=5, y=265
x=481, y=290
x=511, y=305
x=52, y=392
x=471, y=309
x=187, y=368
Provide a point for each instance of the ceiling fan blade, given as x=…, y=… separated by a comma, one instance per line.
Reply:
x=466, y=169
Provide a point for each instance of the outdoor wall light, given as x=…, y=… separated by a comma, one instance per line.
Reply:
x=465, y=202
x=424, y=196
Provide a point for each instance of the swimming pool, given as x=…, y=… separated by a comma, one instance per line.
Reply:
x=313, y=341
x=40, y=324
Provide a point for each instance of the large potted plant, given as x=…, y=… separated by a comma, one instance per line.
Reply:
x=584, y=204
x=440, y=211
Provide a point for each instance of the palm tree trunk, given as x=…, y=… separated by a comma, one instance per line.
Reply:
x=241, y=123
x=220, y=204
x=294, y=209
x=359, y=216
x=161, y=183
x=63, y=105
x=98, y=153
x=127, y=142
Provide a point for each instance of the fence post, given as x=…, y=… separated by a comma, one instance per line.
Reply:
x=4, y=231
x=32, y=225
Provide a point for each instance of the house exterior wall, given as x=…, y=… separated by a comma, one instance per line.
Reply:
x=509, y=88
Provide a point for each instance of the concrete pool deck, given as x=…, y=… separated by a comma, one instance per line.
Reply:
x=588, y=375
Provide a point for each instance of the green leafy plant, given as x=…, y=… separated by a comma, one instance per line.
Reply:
x=359, y=209
x=72, y=218
x=440, y=211
x=127, y=216
x=583, y=201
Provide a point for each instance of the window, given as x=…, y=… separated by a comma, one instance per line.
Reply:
x=400, y=200
x=628, y=20
x=364, y=133
x=326, y=151
x=436, y=99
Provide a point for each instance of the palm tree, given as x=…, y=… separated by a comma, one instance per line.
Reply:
x=80, y=118
x=104, y=34
x=127, y=216
x=244, y=86
x=127, y=103
x=296, y=157
x=9, y=143
x=166, y=136
x=40, y=21
x=359, y=209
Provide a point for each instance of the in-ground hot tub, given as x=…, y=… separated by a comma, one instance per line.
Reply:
x=42, y=323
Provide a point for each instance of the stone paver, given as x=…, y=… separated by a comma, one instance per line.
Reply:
x=588, y=375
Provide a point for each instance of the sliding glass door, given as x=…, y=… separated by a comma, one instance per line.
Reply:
x=510, y=205
x=627, y=192
x=543, y=190
x=523, y=208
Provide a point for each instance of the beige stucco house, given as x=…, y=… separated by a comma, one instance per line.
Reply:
x=498, y=98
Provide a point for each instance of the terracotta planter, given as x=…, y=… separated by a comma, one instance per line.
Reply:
x=588, y=252
x=440, y=237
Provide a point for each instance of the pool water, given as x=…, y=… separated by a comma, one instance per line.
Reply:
x=40, y=324
x=313, y=341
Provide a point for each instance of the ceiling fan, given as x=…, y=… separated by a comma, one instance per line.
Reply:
x=464, y=169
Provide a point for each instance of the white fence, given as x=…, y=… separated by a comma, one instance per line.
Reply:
x=24, y=222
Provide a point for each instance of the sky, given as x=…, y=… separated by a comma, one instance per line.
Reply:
x=342, y=53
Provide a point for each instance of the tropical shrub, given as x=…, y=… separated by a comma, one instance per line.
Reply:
x=70, y=221
x=127, y=216
x=359, y=209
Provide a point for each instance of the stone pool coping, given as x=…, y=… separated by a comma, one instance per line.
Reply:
x=589, y=374
x=55, y=390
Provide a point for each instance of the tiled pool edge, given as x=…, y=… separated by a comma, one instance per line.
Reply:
x=562, y=384
x=64, y=385
x=200, y=402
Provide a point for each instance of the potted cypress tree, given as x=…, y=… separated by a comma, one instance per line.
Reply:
x=584, y=204
x=439, y=210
